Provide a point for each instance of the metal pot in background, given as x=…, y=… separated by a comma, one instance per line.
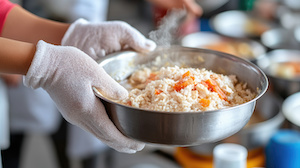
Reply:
x=279, y=84
x=279, y=38
x=240, y=47
x=239, y=24
x=291, y=111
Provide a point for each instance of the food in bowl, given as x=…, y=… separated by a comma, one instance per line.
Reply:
x=185, y=90
x=236, y=48
x=241, y=47
x=290, y=69
x=255, y=27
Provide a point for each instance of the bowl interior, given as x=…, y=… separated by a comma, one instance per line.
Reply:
x=129, y=61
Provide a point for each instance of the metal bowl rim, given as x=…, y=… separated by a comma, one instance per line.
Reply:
x=241, y=60
x=270, y=54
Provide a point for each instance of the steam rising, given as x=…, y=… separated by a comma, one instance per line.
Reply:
x=166, y=33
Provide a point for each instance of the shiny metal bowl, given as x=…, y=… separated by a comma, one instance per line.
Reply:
x=279, y=38
x=241, y=47
x=291, y=111
x=240, y=24
x=255, y=134
x=282, y=86
x=182, y=128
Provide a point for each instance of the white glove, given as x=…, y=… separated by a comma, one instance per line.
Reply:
x=68, y=75
x=100, y=39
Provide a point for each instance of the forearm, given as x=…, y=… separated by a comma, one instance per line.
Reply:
x=24, y=26
x=15, y=56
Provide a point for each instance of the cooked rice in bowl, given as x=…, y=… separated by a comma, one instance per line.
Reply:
x=178, y=89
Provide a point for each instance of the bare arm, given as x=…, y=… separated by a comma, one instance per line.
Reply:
x=15, y=56
x=190, y=5
x=24, y=26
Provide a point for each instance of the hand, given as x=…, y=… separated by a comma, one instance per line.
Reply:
x=68, y=75
x=190, y=5
x=100, y=39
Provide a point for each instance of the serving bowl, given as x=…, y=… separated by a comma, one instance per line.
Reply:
x=279, y=38
x=241, y=47
x=284, y=86
x=265, y=121
x=181, y=128
x=291, y=111
x=240, y=24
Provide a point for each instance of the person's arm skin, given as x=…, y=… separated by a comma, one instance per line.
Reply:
x=190, y=5
x=24, y=26
x=15, y=56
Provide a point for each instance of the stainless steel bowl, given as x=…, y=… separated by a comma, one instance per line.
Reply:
x=256, y=134
x=240, y=24
x=283, y=86
x=291, y=111
x=279, y=38
x=182, y=128
x=241, y=47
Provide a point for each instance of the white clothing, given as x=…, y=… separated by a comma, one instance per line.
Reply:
x=81, y=144
x=32, y=111
x=4, y=117
x=69, y=10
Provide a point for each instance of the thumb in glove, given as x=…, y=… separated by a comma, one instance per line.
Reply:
x=68, y=75
x=100, y=39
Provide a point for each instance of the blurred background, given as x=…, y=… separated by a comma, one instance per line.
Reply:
x=264, y=32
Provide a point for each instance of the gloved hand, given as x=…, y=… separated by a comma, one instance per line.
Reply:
x=68, y=75
x=100, y=39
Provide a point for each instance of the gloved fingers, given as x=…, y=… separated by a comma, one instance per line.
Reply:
x=120, y=142
x=134, y=39
x=96, y=53
x=104, y=129
x=141, y=44
x=108, y=87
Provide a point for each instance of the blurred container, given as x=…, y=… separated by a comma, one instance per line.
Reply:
x=293, y=4
x=283, y=150
x=282, y=80
x=291, y=111
x=230, y=155
x=239, y=24
x=189, y=159
x=297, y=33
x=244, y=48
x=210, y=5
x=279, y=38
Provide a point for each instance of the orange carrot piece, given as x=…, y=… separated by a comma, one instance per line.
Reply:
x=183, y=83
x=188, y=73
x=152, y=76
x=213, y=87
x=204, y=102
x=158, y=91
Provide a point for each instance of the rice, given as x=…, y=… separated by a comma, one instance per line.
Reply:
x=176, y=89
